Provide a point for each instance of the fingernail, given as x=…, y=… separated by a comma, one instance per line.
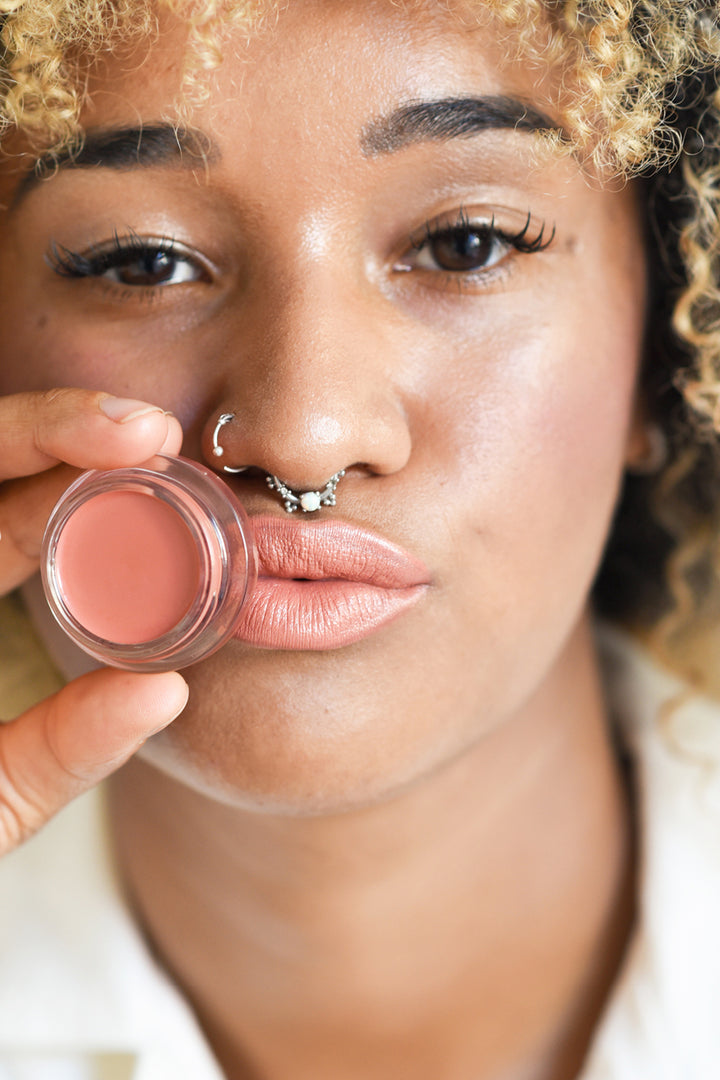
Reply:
x=122, y=410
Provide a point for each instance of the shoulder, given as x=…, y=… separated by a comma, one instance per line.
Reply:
x=662, y=1018
x=77, y=982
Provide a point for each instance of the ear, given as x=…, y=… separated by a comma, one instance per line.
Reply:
x=637, y=446
x=646, y=449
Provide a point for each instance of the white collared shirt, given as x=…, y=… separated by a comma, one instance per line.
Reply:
x=82, y=999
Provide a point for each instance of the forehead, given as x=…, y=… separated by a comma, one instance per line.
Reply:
x=605, y=76
x=321, y=85
x=307, y=95
x=315, y=58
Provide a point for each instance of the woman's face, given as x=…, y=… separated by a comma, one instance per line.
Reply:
x=351, y=272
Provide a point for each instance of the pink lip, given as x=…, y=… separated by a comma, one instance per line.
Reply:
x=351, y=582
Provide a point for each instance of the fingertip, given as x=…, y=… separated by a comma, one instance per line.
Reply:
x=150, y=431
x=159, y=698
x=124, y=410
x=138, y=419
x=153, y=430
x=88, y=430
x=174, y=436
x=127, y=433
x=174, y=693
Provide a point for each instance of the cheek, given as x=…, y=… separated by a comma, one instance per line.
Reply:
x=534, y=463
x=571, y=453
x=43, y=346
x=50, y=338
x=46, y=348
x=573, y=426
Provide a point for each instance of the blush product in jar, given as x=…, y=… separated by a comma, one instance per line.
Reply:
x=148, y=567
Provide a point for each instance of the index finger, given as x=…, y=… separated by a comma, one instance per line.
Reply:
x=84, y=428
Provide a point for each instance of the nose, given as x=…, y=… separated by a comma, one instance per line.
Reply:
x=316, y=390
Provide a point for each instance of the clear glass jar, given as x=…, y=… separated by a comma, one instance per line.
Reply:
x=148, y=567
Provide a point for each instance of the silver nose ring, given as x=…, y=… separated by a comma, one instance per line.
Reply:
x=217, y=450
x=307, y=501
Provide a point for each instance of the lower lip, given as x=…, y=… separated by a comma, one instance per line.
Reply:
x=284, y=613
x=154, y=567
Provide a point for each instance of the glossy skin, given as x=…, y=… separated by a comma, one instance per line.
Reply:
x=484, y=420
x=463, y=410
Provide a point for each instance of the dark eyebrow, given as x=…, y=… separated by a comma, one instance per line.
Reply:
x=449, y=118
x=125, y=148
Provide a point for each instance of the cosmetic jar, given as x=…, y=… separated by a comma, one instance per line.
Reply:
x=148, y=567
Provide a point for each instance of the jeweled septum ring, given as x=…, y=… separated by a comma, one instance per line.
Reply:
x=307, y=501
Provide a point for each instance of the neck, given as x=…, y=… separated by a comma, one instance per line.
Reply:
x=469, y=926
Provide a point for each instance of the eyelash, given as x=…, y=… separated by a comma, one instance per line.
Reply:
x=121, y=252
x=462, y=229
x=518, y=240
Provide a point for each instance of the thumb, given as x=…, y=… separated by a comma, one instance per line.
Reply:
x=72, y=740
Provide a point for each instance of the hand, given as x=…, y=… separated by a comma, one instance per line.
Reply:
x=78, y=736
x=41, y=434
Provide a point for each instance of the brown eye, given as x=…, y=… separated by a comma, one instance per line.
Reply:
x=152, y=268
x=149, y=268
x=130, y=261
x=458, y=250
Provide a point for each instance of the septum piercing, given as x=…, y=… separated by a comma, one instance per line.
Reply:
x=224, y=418
x=307, y=501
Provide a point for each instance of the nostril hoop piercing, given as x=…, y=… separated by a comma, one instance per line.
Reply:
x=307, y=501
x=217, y=450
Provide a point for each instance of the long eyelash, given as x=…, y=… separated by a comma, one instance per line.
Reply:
x=66, y=262
x=74, y=264
x=518, y=240
x=527, y=247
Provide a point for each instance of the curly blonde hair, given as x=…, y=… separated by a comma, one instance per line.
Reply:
x=644, y=102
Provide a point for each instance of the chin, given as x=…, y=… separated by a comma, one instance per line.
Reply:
x=309, y=733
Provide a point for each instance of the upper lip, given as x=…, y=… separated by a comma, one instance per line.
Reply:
x=333, y=549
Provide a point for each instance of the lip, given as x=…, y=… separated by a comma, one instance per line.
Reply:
x=322, y=585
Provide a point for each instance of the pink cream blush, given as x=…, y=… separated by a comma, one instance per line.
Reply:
x=128, y=565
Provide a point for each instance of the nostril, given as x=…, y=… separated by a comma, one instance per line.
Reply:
x=250, y=475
